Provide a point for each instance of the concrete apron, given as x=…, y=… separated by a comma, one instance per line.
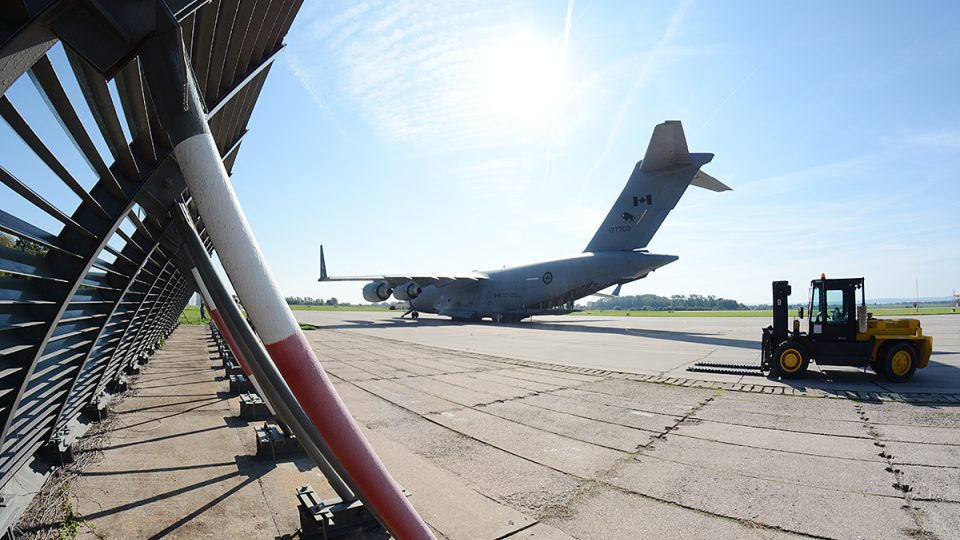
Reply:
x=492, y=448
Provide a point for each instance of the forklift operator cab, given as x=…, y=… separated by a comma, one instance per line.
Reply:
x=833, y=312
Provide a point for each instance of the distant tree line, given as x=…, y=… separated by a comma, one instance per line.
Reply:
x=309, y=301
x=677, y=302
x=22, y=244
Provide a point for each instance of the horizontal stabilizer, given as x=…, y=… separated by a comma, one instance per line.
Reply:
x=704, y=180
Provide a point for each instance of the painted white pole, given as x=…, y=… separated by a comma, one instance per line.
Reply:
x=176, y=98
x=221, y=326
x=274, y=389
x=233, y=238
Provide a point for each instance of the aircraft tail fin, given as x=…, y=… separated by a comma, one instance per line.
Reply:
x=667, y=148
x=323, y=266
x=657, y=183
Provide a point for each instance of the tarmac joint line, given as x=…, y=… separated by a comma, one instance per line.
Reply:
x=899, y=483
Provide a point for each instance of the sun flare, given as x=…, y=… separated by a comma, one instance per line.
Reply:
x=521, y=76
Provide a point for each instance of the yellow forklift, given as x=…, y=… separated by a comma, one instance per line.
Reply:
x=841, y=333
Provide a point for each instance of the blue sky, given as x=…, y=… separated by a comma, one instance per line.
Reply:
x=451, y=136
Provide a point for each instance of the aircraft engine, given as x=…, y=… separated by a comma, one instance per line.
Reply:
x=407, y=292
x=376, y=291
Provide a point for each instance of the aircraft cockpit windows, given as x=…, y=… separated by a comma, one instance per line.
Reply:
x=835, y=308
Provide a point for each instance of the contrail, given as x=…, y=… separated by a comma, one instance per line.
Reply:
x=567, y=23
x=645, y=72
x=743, y=82
x=304, y=79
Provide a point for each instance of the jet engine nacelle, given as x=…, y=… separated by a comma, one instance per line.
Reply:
x=407, y=292
x=376, y=291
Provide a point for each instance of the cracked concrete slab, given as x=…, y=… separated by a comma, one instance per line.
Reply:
x=925, y=434
x=801, y=509
x=935, y=455
x=935, y=483
x=578, y=458
x=680, y=407
x=725, y=415
x=788, y=441
x=455, y=510
x=939, y=520
x=600, y=433
x=460, y=395
x=654, y=423
x=646, y=345
x=866, y=477
x=406, y=397
x=551, y=448
x=611, y=513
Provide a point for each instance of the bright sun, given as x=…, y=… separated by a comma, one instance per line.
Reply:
x=521, y=76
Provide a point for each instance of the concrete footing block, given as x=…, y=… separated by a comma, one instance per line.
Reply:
x=273, y=443
x=253, y=408
x=239, y=384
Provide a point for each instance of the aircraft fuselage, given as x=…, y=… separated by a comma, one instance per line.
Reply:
x=540, y=288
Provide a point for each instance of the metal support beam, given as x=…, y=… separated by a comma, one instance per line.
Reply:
x=262, y=370
x=179, y=107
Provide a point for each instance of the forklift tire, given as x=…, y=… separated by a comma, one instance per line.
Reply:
x=789, y=360
x=899, y=362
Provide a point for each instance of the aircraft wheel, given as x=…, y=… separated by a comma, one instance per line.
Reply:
x=415, y=315
x=899, y=362
x=789, y=361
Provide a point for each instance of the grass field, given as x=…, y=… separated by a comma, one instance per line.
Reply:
x=191, y=314
x=340, y=308
x=877, y=312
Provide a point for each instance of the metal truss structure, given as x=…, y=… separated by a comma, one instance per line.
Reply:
x=90, y=277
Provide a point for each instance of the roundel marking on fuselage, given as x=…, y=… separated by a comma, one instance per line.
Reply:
x=547, y=278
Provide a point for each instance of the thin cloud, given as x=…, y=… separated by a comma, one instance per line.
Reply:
x=567, y=24
x=298, y=71
x=744, y=81
x=935, y=139
x=410, y=69
x=646, y=71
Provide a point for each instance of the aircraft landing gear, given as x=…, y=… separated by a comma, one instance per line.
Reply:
x=414, y=314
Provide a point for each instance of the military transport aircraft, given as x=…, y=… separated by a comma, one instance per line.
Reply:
x=614, y=256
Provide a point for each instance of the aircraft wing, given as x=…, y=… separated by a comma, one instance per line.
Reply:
x=394, y=280
x=398, y=279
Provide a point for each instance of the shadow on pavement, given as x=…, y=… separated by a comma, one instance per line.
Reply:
x=561, y=326
x=937, y=377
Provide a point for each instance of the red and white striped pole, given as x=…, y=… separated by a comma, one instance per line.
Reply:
x=174, y=92
x=222, y=326
x=228, y=335
x=288, y=347
x=268, y=380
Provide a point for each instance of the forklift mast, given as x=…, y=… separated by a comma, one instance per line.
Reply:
x=781, y=290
